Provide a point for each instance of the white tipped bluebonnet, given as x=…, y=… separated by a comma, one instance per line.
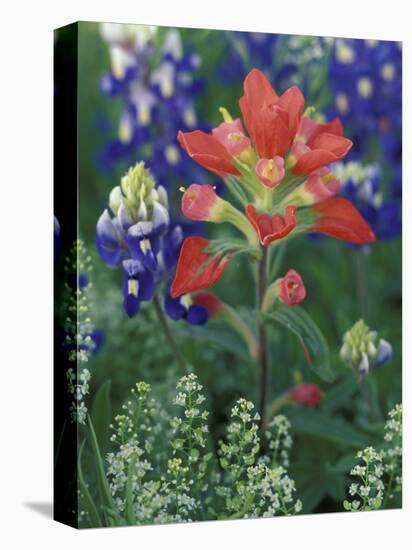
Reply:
x=361, y=349
x=135, y=233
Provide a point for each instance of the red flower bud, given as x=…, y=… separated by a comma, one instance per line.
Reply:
x=201, y=203
x=291, y=290
x=270, y=171
x=231, y=135
x=306, y=395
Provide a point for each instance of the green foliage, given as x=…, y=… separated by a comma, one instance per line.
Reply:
x=313, y=342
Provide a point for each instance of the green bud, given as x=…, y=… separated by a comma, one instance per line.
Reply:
x=358, y=345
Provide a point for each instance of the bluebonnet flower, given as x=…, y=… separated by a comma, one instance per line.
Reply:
x=157, y=97
x=363, y=186
x=287, y=60
x=135, y=233
x=366, y=80
x=361, y=349
x=366, y=77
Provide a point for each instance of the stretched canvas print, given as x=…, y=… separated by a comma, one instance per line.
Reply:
x=227, y=275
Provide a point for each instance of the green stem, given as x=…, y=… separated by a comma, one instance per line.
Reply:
x=361, y=280
x=169, y=336
x=364, y=391
x=262, y=282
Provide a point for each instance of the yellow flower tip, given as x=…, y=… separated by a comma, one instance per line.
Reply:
x=182, y=189
x=309, y=111
x=225, y=114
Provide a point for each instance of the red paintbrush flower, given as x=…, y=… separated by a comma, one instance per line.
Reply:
x=316, y=145
x=271, y=120
x=271, y=228
x=196, y=269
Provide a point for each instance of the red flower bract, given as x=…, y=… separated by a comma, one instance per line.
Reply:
x=271, y=228
x=338, y=218
x=271, y=120
x=196, y=269
x=210, y=302
x=207, y=151
x=318, y=144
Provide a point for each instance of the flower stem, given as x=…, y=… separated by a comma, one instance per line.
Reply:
x=169, y=336
x=361, y=281
x=262, y=283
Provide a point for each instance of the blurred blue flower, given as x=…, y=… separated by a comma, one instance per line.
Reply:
x=135, y=233
x=362, y=185
x=157, y=85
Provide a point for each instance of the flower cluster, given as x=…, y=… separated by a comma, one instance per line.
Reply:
x=80, y=337
x=137, y=490
x=279, y=175
x=380, y=473
x=361, y=349
x=369, y=490
x=392, y=452
x=156, y=82
x=135, y=234
x=251, y=487
x=279, y=440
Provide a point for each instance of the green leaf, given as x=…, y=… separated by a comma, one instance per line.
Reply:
x=102, y=483
x=314, y=344
x=102, y=414
x=93, y=514
x=339, y=394
x=343, y=465
x=314, y=422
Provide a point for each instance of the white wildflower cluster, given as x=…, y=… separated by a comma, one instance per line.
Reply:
x=184, y=482
x=78, y=386
x=392, y=452
x=127, y=468
x=380, y=471
x=250, y=487
x=279, y=440
x=78, y=327
x=139, y=492
x=368, y=491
